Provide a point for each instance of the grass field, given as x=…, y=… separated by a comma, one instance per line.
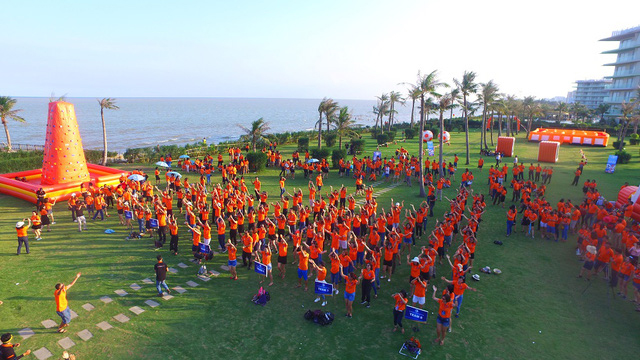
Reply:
x=537, y=309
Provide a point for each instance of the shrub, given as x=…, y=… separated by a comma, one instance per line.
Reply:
x=382, y=139
x=357, y=146
x=375, y=133
x=410, y=133
x=303, y=144
x=330, y=139
x=257, y=160
x=616, y=144
x=95, y=156
x=634, y=139
x=623, y=156
x=320, y=153
x=137, y=155
x=20, y=161
x=391, y=135
x=336, y=155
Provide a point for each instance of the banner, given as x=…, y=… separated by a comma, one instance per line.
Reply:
x=430, y=149
x=415, y=314
x=518, y=122
x=489, y=123
x=128, y=215
x=377, y=155
x=154, y=223
x=611, y=164
x=323, y=288
x=260, y=268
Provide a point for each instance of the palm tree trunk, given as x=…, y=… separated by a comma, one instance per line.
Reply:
x=451, y=118
x=423, y=193
x=483, y=133
x=440, y=169
x=491, y=127
x=6, y=131
x=623, y=134
x=413, y=104
x=340, y=142
x=104, y=137
x=466, y=126
x=320, y=131
x=499, y=127
x=390, y=117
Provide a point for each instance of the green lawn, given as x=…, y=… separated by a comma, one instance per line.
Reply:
x=537, y=309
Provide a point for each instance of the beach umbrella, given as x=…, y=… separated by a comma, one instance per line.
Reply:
x=184, y=156
x=174, y=173
x=162, y=164
x=313, y=161
x=136, y=177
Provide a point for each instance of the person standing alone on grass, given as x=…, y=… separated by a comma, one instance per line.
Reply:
x=62, y=307
x=576, y=178
x=161, y=276
x=23, y=236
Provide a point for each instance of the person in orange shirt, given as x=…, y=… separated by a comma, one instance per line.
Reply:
x=443, y=320
x=419, y=291
x=349, y=291
x=511, y=218
x=367, y=276
x=303, y=266
x=36, y=224
x=23, y=236
x=264, y=257
x=173, y=230
x=322, y=275
x=62, y=306
x=398, y=309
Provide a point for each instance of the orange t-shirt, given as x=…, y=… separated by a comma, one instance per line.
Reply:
x=61, y=298
x=304, y=260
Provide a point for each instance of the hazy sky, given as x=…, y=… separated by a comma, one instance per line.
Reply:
x=301, y=49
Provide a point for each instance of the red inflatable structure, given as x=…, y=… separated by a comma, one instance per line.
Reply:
x=570, y=136
x=630, y=193
x=64, y=167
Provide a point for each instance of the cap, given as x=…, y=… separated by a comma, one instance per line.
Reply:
x=73, y=194
x=591, y=249
x=415, y=259
x=20, y=224
x=6, y=337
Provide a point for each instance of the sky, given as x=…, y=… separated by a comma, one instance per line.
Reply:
x=347, y=49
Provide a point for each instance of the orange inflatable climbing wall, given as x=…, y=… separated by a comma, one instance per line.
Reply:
x=64, y=160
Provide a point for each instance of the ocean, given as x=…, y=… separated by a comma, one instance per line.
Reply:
x=142, y=122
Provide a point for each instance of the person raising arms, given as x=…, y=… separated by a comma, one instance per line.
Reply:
x=398, y=310
x=444, y=315
x=232, y=262
x=349, y=291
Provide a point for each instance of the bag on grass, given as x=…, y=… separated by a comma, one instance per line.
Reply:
x=317, y=314
x=202, y=270
x=326, y=318
x=308, y=315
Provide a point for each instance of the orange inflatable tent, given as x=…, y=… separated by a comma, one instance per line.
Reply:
x=630, y=193
x=570, y=136
x=548, y=151
x=506, y=145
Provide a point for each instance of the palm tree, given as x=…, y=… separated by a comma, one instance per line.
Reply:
x=603, y=109
x=629, y=115
x=486, y=98
x=444, y=102
x=455, y=96
x=427, y=86
x=382, y=110
x=394, y=97
x=258, y=131
x=467, y=86
x=561, y=109
x=413, y=94
x=109, y=104
x=327, y=107
x=343, y=125
x=8, y=112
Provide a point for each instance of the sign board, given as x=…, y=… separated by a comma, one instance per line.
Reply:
x=430, y=149
x=415, y=314
x=377, y=155
x=611, y=164
x=260, y=268
x=323, y=288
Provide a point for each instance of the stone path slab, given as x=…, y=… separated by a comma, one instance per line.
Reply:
x=26, y=333
x=73, y=314
x=136, y=310
x=88, y=307
x=104, y=325
x=135, y=286
x=224, y=267
x=167, y=297
x=192, y=283
x=66, y=343
x=180, y=289
x=106, y=299
x=204, y=278
x=147, y=281
x=122, y=318
x=121, y=292
x=42, y=354
x=193, y=260
x=152, y=303
x=214, y=273
x=85, y=335
x=182, y=265
x=48, y=324
x=173, y=271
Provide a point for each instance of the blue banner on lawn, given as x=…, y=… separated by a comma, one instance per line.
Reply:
x=128, y=215
x=611, y=164
x=323, y=288
x=430, y=149
x=415, y=314
x=260, y=268
x=377, y=155
x=154, y=223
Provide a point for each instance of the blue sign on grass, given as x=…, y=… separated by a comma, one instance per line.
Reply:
x=260, y=268
x=430, y=149
x=323, y=288
x=415, y=314
x=611, y=164
x=128, y=215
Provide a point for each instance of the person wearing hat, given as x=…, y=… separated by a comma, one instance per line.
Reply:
x=62, y=306
x=589, y=260
x=79, y=211
x=23, y=237
x=7, y=351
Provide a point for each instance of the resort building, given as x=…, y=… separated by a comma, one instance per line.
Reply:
x=626, y=74
x=591, y=93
